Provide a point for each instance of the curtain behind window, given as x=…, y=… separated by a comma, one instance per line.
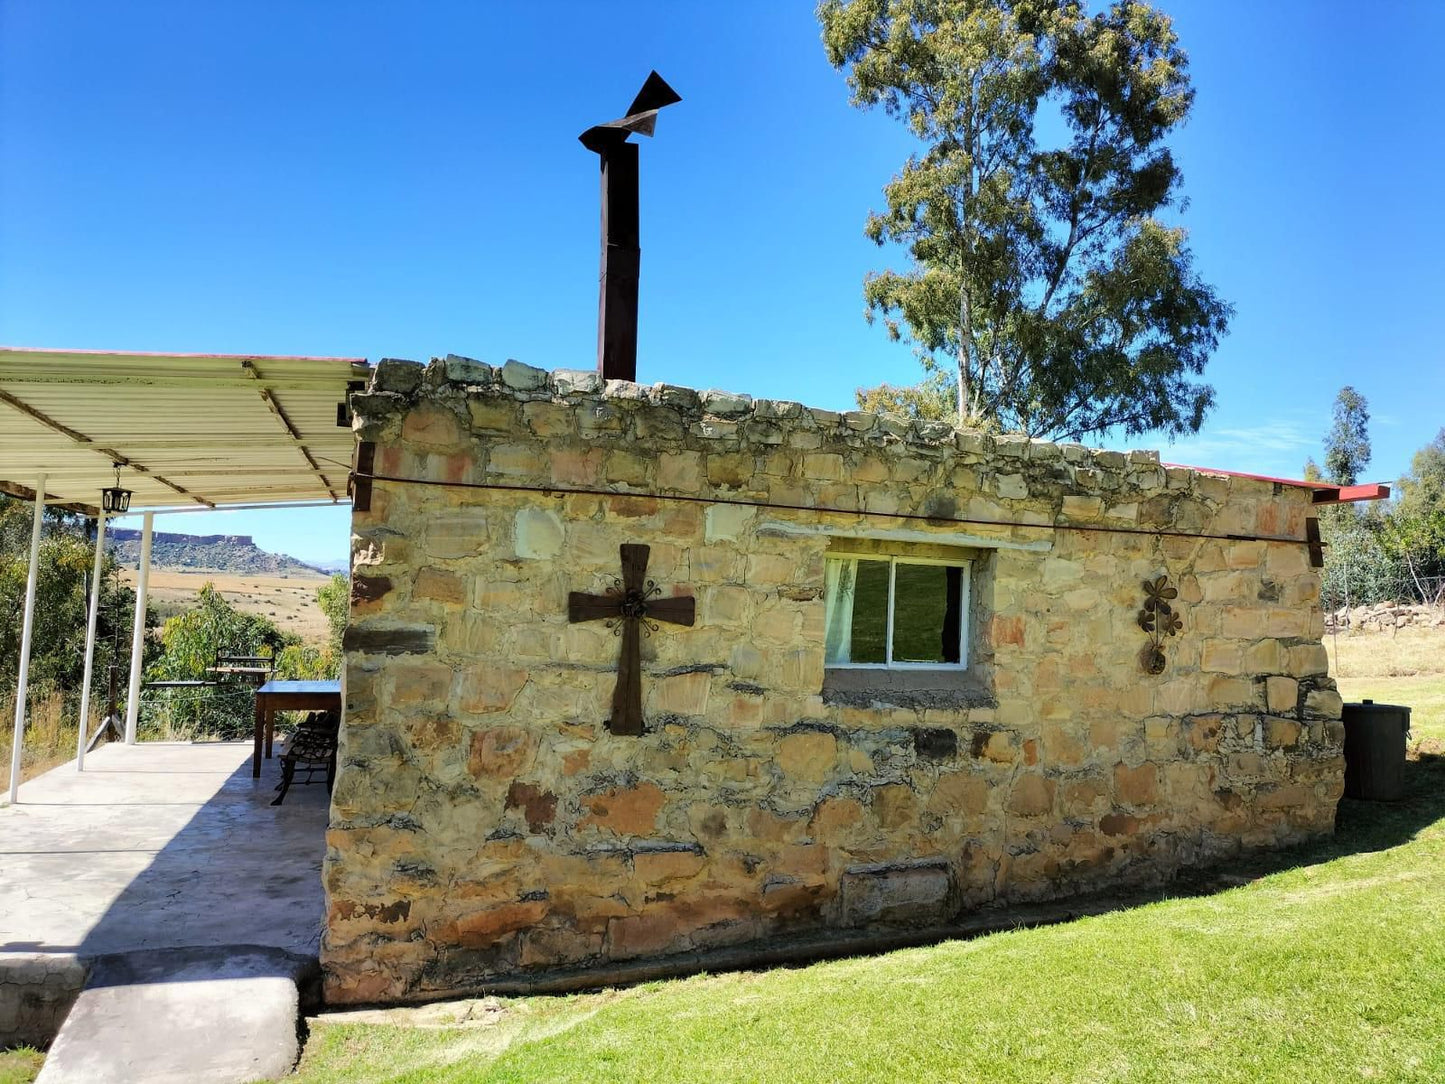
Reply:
x=840, y=582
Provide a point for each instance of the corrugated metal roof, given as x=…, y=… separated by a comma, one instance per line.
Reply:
x=197, y=429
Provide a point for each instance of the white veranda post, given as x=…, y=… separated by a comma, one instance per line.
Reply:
x=26, y=629
x=138, y=630
x=90, y=642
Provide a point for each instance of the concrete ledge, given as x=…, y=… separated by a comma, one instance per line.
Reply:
x=37, y=990
x=225, y=1014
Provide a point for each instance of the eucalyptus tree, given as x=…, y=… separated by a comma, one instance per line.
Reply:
x=1042, y=280
x=1347, y=444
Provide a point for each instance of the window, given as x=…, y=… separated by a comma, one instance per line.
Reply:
x=896, y=612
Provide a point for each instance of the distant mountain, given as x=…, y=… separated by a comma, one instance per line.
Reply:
x=207, y=553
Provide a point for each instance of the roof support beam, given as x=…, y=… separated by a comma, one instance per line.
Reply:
x=276, y=409
x=80, y=438
x=90, y=626
x=138, y=629
x=1350, y=494
x=27, y=628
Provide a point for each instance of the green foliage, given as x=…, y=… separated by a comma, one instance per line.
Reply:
x=67, y=554
x=934, y=399
x=1360, y=567
x=1415, y=527
x=1347, y=445
x=191, y=641
x=334, y=598
x=307, y=662
x=1040, y=275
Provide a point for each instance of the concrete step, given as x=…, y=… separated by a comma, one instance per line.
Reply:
x=221, y=1015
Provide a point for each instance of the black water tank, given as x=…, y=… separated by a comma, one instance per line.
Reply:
x=1375, y=751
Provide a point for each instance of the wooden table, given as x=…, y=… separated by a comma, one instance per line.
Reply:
x=277, y=696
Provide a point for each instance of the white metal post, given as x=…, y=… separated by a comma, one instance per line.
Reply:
x=138, y=630
x=90, y=642
x=21, y=688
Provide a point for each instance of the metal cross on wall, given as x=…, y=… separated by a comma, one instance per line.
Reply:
x=631, y=607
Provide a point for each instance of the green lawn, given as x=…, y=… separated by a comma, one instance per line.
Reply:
x=20, y=1065
x=1331, y=967
x=1424, y=693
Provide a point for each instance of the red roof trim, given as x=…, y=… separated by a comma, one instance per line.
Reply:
x=1324, y=493
x=1348, y=494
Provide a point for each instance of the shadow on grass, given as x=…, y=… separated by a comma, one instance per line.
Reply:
x=1360, y=827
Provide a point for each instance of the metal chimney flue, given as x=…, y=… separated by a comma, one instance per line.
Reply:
x=621, y=252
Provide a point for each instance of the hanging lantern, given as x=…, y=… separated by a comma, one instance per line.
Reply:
x=114, y=499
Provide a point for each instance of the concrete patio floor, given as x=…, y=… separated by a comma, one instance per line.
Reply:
x=161, y=845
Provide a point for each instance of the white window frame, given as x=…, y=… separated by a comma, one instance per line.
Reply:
x=964, y=596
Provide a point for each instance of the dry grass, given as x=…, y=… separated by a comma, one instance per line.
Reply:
x=290, y=601
x=49, y=736
x=1407, y=652
x=1404, y=666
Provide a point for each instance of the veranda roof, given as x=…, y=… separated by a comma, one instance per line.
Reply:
x=187, y=429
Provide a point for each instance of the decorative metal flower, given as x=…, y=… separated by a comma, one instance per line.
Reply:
x=1158, y=619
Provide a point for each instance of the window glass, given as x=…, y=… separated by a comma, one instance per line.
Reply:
x=928, y=603
x=857, y=611
x=922, y=629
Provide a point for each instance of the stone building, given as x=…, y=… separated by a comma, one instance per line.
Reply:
x=928, y=671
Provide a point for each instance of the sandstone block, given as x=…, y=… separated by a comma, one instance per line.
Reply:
x=727, y=522
x=959, y=792
x=1281, y=694
x=895, y=806
x=1033, y=796
x=440, y=586
x=521, y=377
x=537, y=534
x=500, y=752
x=538, y=806
x=417, y=681
x=680, y=471
x=627, y=811
x=682, y=694
x=730, y=470
x=894, y=894
x=833, y=817
x=809, y=755
x=1323, y=704
x=658, y=867
x=1281, y=733
x=431, y=426
x=1076, y=506
x=1136, y=786
x=487, y=689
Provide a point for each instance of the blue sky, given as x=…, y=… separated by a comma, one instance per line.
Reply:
x=403, y=180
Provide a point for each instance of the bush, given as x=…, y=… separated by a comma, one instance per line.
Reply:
x=191, y=641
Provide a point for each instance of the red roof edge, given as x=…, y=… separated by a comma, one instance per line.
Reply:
x=1323, y=492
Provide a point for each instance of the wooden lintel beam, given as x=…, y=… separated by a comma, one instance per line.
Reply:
x=275, y=407
x=26, y=493
x=85, y=441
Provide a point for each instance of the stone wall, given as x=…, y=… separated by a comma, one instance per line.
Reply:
x=485, y=823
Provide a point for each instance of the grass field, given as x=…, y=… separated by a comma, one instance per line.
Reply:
x=1331, y=970
x=1403, y=667
x=1329, y=967
x=290, y=601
